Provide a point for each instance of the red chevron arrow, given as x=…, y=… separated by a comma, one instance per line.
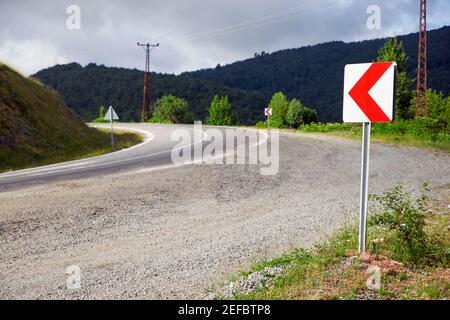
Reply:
x=360, y=92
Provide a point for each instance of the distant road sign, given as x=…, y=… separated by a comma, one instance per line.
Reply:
x=369, y=92
x=268, y=111
x=111, y=114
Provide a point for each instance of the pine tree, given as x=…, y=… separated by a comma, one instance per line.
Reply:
x=279, y=105
x=393, y=51
x=294, y=116
x=220, y=113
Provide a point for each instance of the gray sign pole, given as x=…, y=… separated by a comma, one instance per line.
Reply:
x=364, y=186
x=112, y=134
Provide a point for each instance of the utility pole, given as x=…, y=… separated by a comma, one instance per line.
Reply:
x=421, y=96
x=145, y=108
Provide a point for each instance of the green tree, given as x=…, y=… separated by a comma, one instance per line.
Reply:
x=171, y=109
x=438, y=105
x=393, y=50
x=298, y=114
x=404, y=106
x=294, y=116
x=102, y=112
x=438, y=108
x=279, y=105
x=309, y=116
x=220, y=113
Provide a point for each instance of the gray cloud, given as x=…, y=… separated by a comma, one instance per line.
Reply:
x=193, y=34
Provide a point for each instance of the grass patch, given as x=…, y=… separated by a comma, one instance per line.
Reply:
x=422, y=132
x=37, y=127
x=334, y=270
x=99, y=143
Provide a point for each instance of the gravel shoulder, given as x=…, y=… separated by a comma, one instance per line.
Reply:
x=181, y=232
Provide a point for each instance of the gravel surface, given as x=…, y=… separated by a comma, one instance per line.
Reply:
x=181, y=232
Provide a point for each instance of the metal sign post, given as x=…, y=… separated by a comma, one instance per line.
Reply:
x=112, y=132
x=111, y=115
x=369, y=91
x=364, y=186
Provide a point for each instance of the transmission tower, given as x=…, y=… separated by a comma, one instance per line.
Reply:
x=145, y=108
x=421, y=97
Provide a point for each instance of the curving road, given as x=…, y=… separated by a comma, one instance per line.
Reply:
x=137, y=226
x=153, y=152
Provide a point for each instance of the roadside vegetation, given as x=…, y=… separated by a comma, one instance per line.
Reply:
x=422, y=132
x=37, y=128
x=220, y=113
x=407, y=257
x=288, y=114
x=101, y=116
x=98, y=144
x=432, y=131
x=170, y=109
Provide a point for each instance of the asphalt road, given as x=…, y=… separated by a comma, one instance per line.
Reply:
x=154, y=152
x=137, y=226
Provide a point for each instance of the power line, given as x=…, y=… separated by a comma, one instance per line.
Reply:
x=278, y=16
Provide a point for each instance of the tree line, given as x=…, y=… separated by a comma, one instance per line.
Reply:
x=312, y=73
x=438, y=104
x=315, y=73
x=170, y=109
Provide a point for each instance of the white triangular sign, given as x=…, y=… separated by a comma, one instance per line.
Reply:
x=111, y=113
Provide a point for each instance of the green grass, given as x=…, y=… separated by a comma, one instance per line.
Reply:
x=100, y=120
x=423, y=133
x=327, y=271
x=99, y=144
x=37, y=128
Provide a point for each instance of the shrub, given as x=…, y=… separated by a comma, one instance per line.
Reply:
x=294, y=116
x=220, y=113
x=329, y=127
x=405, y=219
x=261, y=124
x=171, y=109
x=279, y=105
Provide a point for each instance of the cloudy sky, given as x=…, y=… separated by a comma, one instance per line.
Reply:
x=193, y=34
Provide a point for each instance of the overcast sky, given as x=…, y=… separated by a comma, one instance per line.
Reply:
x=193, y=34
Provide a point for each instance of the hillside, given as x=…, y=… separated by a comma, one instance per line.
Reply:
x=315, y=73
x=86, y=88
x=36, y=127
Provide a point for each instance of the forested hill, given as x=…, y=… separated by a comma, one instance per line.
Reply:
x=86, y=88
x=36, y=126
x=315, y=73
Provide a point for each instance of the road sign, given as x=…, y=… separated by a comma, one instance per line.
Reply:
x=111, y=114
x=268, y=113
x=369, y=92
